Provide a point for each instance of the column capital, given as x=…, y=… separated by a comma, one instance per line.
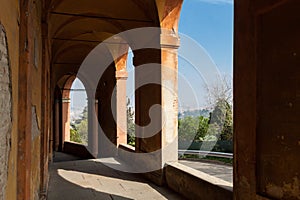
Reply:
x=121, y=75
x=170, y=40
x=66, y=100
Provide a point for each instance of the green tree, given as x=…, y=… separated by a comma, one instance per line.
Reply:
x=202, y=128
x=130, y=124
x=221, y=118
x=79, y=130
x=82, y=128
x=75, y=136
x=227, y=131
x=188, y=128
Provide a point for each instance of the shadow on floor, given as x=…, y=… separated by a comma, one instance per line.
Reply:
x=62, y=157
x=61, y=189
x=90, y=179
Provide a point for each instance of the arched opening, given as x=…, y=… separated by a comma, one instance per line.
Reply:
x=130, y=98
x=205, y=131
x=78, y=113
x=62, y=112
x=71, y=117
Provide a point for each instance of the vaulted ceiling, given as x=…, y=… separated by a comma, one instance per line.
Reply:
x=76, y=27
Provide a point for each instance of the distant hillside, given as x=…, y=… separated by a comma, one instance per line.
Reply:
x=194, y=113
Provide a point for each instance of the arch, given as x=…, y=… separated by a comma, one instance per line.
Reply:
x=85, y=37
x=79, y=102
x=62, y=109
x=169, y=13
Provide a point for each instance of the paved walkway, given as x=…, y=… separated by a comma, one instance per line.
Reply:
x=224, y=172
x=62, y=157
x=90, y=179
x=71, y=178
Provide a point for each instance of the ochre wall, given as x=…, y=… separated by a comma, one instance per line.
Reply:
x=36, y=78
x=9, y=19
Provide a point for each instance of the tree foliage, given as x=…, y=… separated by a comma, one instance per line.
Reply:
x=219, y=125
x=188, y=127
x=79, y=130
x=130, y=124
x=74, y=135
x=192, y=128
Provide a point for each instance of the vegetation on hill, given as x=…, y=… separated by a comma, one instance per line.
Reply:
x=130, y=125
x=79, y=128
x=212, y=131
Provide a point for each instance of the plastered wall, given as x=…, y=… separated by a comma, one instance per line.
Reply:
x=5, y=111
x=9, y=96
x=9, y=16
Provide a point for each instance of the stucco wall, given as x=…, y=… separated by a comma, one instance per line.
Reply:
x=36, y=114
x=5, y=111
x=9, y=21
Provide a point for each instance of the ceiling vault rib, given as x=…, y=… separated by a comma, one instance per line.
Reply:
x=100, y=17
x=90, y=41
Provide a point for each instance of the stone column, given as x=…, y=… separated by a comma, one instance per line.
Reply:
x=148, y=115
x=169, y=75
x=121, y=112
x=160, y=90
x=147, y=94
x=93, y=126
x=66, y=119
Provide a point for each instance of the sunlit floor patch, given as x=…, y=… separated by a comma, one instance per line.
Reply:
x=90, y=179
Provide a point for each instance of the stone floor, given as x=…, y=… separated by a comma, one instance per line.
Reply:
x=72, y=178
x=62, y=157
x=90, y=179
x=224, y=172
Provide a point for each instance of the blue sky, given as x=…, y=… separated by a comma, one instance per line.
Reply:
x=209, y=23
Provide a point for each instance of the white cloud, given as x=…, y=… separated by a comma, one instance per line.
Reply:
x=216, y=1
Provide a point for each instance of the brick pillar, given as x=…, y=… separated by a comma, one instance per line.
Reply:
x=121, y=114
x=93, y=126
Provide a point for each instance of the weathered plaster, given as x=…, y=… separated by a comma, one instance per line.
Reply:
x=9, y=19
x=35, y=150
x=5, y=112
x=286, y=191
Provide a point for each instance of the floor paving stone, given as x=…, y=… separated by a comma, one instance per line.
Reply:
x=90, y=179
